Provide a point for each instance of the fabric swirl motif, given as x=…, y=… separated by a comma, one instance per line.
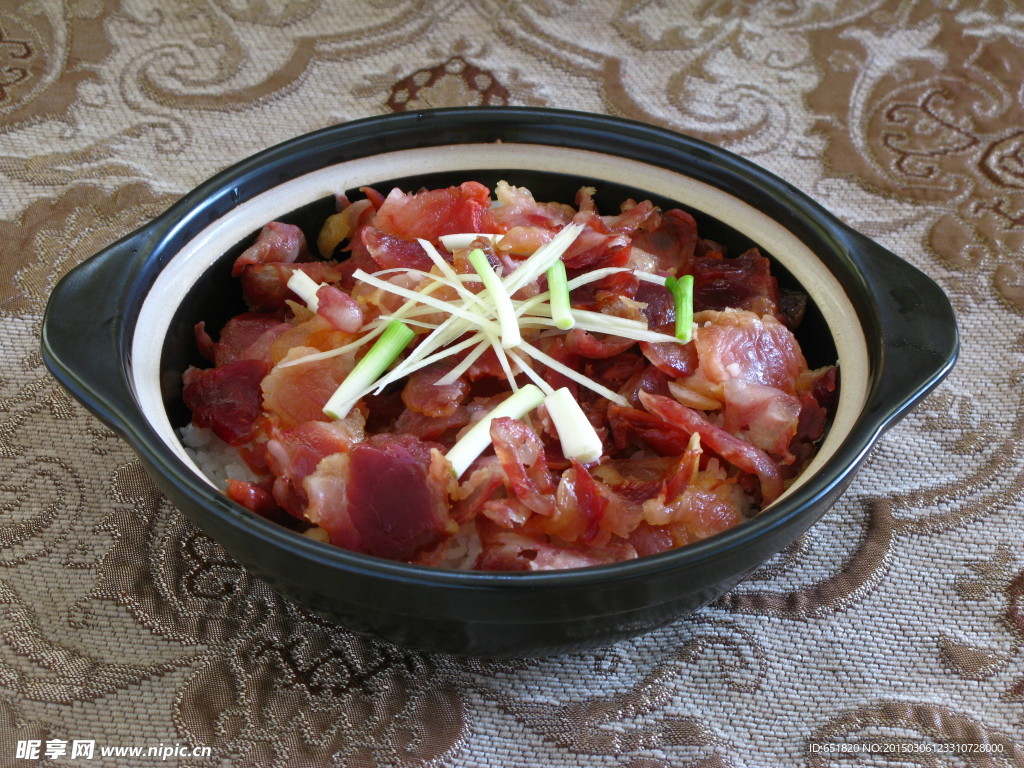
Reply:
x=274, y=685
x=925, y=106
x=455, y=82
x=637, y=722
x=36, y=43
x=52, y=235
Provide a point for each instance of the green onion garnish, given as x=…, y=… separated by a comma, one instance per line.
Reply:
x=575, y=432
x=473, y=443
x=682, y=293
x=558, y=291
x=382, y=354
x=507, y=319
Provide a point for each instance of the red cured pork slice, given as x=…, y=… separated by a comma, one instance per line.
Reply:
x=518, y=208
x=226, y=399
x=659, y=306
x=734, y=450
x=671, y=243
x=764, y=416
x=293, y=454
x=422, y=394
x=277, y=243
x=522, y=458
x=297, y=393
x=392, y=252
x=585, y=344
x=583, y=496
x=671, y=358
x=432, y=213
x=247, y=336
x=380, y=499
x=737, y=344
x=631, y=424
x=744, y=282
x=339, y=309
x=265, y=286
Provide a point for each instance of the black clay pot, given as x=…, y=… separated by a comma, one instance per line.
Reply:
x=118, y=334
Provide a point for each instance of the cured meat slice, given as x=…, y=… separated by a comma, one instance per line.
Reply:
x=226, y=399
x=521, y=454
x=277, y=243
x=432, y=213
x=740, y=454
x=744, y=282
x=738, y=344
x=297, y=393
x=265, y=286
x=380, y=498
x=247, y=336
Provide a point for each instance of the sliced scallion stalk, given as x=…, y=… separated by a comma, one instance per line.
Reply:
x=558, y=288
x=305, y=287
x=507, y=320
x=575, y=432
x=384, y=351
x=682, y=292
x=464, y=239
x=473, y=443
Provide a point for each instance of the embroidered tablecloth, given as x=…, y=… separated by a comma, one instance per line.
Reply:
x=891, y=634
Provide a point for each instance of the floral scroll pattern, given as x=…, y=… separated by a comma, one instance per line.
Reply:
x=897, y=616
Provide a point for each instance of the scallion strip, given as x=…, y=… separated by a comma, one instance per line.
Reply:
x=305, y=287
x=382, y=354
x=507, y=320
x=473, y=443
x=682, y=292
x=579, y=378
x=558, y=288
x=575, y=432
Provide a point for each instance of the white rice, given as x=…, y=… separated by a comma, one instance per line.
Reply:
x=217, y=460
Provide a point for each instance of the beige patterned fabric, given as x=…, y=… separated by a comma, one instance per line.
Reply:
x=898, y=620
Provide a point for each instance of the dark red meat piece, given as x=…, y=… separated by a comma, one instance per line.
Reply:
x=744, y=282
x=395, y=511
x=673, y=359
x=226, y=399
x=247, y=336
x=265, y=286
x=672, y=243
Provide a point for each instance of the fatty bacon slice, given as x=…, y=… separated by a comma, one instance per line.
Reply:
x=737, y=344
x=732, y=449
x=522, y=458
x=386, y=497
x=435, y=212
x=277, y=243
